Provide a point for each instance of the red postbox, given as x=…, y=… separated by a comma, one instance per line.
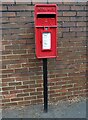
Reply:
x=46, y=30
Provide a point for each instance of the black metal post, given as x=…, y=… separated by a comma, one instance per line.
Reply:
x=45, y=84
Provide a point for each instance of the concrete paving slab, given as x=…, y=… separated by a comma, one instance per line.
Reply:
x=62, y=109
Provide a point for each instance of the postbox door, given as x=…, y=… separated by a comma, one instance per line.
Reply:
x=46, y=42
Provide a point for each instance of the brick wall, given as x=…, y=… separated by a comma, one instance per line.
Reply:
x=22, y=76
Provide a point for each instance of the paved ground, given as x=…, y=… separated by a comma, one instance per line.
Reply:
x=62, y=109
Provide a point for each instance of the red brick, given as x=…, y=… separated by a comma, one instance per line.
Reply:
x=29, y=64
x=22, y=87
x=19, y=51
x=15, y=91
x=26, y=36
x=79, y=19
x=24, y=14
x=6, y=52
x=7, y=80
x=69, y=34
x=77, y=8
x=22, y=94
x=8, y=88
x=7, y=71
x=36, y=85
x=12, y=47
x=4, y=84
x=83, y=14
x=21, y=70
x=9, y=96
x=10, y=104
x=30, y=98
x=5, y=100
x=16, y=99
x=5, y=20
x=20, y=103
x=18, y=42
x=15, y=83
x=12, y=57
x=8, y=14
x=28, y=82
x=23, y=2
x=69, y=2
x=69, y=24
x=35, y=93
x=64, y=7
x=64, y=29
x=20, y=8
x=39, y=89
x=29, y=90
x=81, y=34
x=22, y=78
x=14, y=66
x=81, y=24
x=76, y=29
x=3, y=8
x=69, y=13
x=4, y=93
x=63, y=19
x=39, y=2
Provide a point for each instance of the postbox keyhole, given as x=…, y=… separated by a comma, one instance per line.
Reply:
x=46, y=28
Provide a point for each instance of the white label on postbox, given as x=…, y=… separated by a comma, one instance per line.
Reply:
x=46, y=40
